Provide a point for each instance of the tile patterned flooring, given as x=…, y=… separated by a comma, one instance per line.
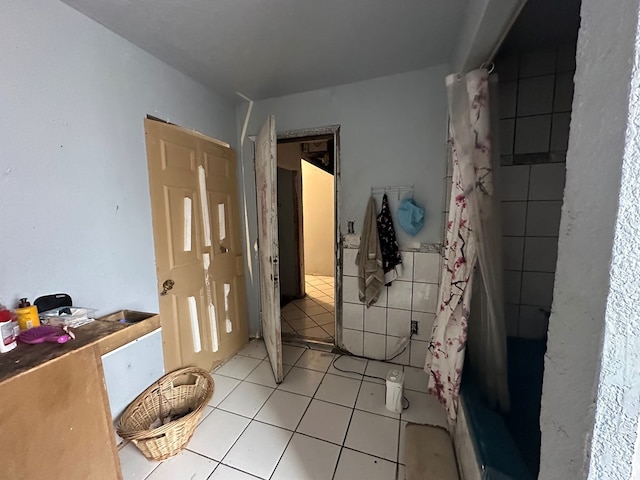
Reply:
x=312, y=317
x=319, y=424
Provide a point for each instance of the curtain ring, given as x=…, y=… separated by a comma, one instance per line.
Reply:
x=489, y=67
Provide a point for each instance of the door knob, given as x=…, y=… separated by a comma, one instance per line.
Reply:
x=166, y=286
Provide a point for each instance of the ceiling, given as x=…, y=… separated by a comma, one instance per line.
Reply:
x=544, y=24
x=269, y=48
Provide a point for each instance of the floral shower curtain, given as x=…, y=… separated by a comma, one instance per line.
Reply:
x=472, y=237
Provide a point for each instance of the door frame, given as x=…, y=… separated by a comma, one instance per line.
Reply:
x=330, y=130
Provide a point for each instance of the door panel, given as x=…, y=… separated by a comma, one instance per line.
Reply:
x=215, y=167
x=224, y=214
x=183, y=249
x=178, y=158
x=186, y=171
x=219, y=209
x=267, y=197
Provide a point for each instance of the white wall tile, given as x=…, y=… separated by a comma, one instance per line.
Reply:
x=426, y=267
x=533, y=323
x=350, y=290
x=508, y=97
x=513, y=218
x=506, y=159
x=532, y=134
x=353, y=316
x=375, y=320
x=540, y=254
x=506, y=135
x=425, y=297
x=398, y=322
x=418, y=353
x=543, y=218
x=514, y=182
x=352, y=340
x=425, y=325
x=537, y=289
x=407, y=266
x=563, y=98
x=537, y=63
x=512, y=253
x=399, y=295
x=393, y=344
x=535, y=95
x=375, y=346
x=349, y=266
x=383, y=298
x=547, y=181
x=512, y=283
x=560, y=127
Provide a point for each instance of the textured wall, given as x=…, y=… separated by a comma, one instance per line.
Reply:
x=618, y=405
x=584, y=308
x=76, y=214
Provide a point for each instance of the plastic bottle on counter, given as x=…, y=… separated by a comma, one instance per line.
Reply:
x=16, y=325
x=7, y=333
x=27, y=315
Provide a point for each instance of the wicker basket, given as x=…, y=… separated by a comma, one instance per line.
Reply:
x=183, y=392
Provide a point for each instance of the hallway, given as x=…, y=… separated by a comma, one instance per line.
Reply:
x=312, y=317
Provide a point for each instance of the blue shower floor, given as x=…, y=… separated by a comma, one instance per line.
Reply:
x=508, y=444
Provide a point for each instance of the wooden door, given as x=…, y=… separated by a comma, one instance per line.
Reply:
x=267, y=199
x=196, y=231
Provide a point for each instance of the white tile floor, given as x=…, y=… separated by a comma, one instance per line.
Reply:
x=319, y=424
x=312, y=317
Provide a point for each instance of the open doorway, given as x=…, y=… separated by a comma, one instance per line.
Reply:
x=307, y=232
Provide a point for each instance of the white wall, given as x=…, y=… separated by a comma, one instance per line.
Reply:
x=596, y=290
x=318, y=227
x=392, y=133
x=75, y=210
x=485, y=24
x=618, y=403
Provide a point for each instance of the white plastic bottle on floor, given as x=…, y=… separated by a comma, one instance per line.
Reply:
x=395, y=391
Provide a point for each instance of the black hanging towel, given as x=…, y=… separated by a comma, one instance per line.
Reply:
x=391, y=258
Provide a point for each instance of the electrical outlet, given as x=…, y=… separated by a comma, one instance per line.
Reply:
x=414, y=327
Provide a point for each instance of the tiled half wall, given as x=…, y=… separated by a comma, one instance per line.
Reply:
x=377, y=331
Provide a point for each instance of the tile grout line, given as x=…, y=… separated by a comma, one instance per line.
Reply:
x=234, y=468
x=251, y=420
x=299, y=421
x=233, y=445
x=314, y=398
x=293, y=432
x=342, y=447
